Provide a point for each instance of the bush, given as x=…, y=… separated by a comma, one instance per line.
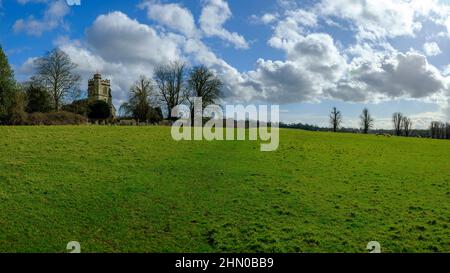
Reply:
x=39, y=100
x=99, y=110
x=127, y=122
x=155, y=116
x=80, y=107
x=56, y=118
x=37, y=119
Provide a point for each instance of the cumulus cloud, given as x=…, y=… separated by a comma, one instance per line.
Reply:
x=399, y=75
x=268, y=18
x=432, y=49
x=291, y=29
x=173, y=16
x=374, y=19
x=214, y=15
x=53, y=17
x=313, y=65
x=370, y=70
x=116, y=37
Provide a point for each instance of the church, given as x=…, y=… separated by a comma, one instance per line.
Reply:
x=100, y=89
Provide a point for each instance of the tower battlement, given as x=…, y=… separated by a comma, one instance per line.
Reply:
x=100, y=89
x=103, y=82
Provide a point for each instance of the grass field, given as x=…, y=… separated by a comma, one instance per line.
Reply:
x=133, y=189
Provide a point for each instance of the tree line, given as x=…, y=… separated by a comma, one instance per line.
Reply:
x=440, y=130
x=53, y=92
x=402, y=124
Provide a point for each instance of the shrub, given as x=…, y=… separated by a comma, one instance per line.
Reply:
x=39, y=100
x=80, y=107
x=65, y=118
x=56, y=118
x=127, y=122
x=99, y=110
x=37, y=119
x=155, y=115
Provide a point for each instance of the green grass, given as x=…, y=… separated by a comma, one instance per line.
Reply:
x=133, y=189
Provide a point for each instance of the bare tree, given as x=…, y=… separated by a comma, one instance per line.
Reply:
x=443, y=131
x=139, y=103
x=447, y=130
x=203, y=84
x=397, y=120
x=171, y=82
x=440, y=130
x=56, y=72
x=366, y=121
x=407, y=126
x=434, y=129
x=335, y=119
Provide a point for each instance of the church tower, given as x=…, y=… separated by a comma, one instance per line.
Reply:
x=99, y=89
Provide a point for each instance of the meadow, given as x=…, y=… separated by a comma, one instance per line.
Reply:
x=134, y=189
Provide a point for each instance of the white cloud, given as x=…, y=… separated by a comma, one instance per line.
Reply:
x=214, y=15
x=291, y=29
x=173, y=16
x=374, y=19
x=432, y=49
x=116, y=37
x=370, y=70
x=268, y=18
x=398, y=75
x=53, y=17
x=313, y=65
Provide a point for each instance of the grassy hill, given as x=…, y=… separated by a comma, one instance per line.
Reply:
x=133, y=189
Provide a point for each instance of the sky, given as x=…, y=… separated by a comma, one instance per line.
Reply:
x=306, y=56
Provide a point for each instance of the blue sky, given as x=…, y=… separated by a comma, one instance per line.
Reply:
x=307, y=56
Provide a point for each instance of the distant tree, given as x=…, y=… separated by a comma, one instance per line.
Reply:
x=447, y=130
x=397, y=120
x=16, y=111
x=434, y=128
x=38, y=98
x=407, y=126
x=99, y=110
x=301, y=126
x=56, y=72
x=440, y=130
x=8, y=88
x=335, y=119
x=156, y=115
x=203, y=83
x=366, y=121
x=171, y=82
x=140, y=101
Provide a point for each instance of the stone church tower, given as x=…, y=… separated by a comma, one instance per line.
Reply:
x=99, y=89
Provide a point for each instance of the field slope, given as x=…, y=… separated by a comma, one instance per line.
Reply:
x=133, y=189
